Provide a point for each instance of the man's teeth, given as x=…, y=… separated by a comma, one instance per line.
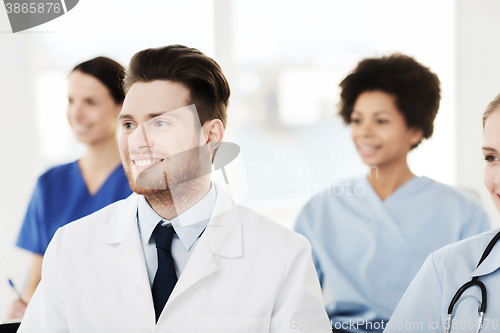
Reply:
x=142, y=163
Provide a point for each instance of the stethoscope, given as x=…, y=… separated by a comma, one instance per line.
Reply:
x=473, y=282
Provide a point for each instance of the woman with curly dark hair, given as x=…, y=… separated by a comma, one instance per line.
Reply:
x=370, y=235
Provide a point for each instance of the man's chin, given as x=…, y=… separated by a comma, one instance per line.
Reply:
x=146, y=189
x=149, y=181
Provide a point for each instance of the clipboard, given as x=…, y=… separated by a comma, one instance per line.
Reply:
x=10, y=326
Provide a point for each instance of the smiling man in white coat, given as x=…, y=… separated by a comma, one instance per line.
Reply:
x=177, y=255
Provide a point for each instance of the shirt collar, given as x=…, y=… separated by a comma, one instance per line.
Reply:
x=491, y=263
x=197, y=218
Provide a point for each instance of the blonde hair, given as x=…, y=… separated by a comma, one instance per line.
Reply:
x=492, y=107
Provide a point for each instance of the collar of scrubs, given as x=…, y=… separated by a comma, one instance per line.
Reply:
x=198, y=217
x=414, y=184
x=491, y=263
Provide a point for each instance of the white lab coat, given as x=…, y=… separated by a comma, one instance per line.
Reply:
x=424, y=306
x=246, y=274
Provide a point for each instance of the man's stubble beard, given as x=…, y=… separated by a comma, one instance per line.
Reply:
x=179, y=177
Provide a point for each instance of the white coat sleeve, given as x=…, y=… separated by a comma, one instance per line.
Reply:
x=299, y=303
x=46, y=311
x=420, y=308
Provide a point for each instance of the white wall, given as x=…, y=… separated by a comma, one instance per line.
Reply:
x=477, y=83
x=19, y=161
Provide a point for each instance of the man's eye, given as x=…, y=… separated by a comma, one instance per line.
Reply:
x=160, y=123
x=355, y=120
x=382, y=121
x=128, y=125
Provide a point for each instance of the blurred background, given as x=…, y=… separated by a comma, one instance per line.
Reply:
x=284, y=61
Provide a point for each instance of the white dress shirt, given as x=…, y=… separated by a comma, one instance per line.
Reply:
x=194, y=222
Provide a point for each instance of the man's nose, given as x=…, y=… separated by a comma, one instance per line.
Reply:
x=139, y=138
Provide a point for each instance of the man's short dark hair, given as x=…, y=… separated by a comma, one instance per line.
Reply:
x=415, y=87
x=201, y=75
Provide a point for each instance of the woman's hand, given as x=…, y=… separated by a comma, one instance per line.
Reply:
x=16, y=309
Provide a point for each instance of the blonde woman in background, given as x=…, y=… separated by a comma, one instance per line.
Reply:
x=433, y=302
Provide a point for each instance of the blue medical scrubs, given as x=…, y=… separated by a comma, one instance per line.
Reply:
x=61, y=196
x=424, y=306
x=367, y=251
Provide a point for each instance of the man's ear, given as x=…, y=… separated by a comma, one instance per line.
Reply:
x=213, y=132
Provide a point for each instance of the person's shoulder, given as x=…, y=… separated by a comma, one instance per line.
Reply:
x=93, y=223
x=459, y=195
x=267, y=231
x=57, y=172
x=468, y=248
x=58, y=169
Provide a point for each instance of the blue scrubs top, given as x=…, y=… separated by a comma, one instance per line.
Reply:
x=367, y=251
x=424, y=306
x=61, y=196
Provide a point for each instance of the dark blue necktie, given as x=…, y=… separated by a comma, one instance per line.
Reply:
x=165, y=277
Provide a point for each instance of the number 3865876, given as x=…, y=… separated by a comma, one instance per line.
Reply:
x=33, y=8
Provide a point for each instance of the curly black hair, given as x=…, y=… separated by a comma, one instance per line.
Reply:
x=416, y=89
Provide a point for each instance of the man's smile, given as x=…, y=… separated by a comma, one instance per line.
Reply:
x=143, y=162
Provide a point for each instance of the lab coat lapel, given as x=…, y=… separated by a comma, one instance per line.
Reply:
x=224, y=229
x=222, y=237
x=122, y=229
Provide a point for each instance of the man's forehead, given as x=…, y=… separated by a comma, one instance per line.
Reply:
x=159, y=87
x=158, y=92
x=155, y=97
x=145, y=114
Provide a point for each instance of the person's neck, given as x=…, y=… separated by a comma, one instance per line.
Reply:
x=387, y=179
x=179, y=199
x=101, y=157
